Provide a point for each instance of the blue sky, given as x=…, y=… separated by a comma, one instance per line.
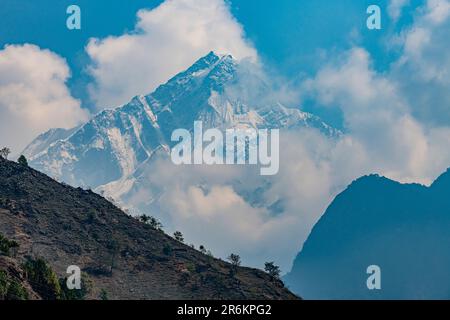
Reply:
x=293, y=38
x=388, y=89
x=43, y=22
x=287, y=34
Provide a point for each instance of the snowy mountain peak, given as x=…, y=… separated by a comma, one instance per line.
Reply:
x=125, y=138
x=210, y=64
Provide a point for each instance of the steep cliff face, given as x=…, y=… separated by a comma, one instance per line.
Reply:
x=69, y=226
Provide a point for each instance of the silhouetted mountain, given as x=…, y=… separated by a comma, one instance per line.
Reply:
x=126, y=258
x=402, y=228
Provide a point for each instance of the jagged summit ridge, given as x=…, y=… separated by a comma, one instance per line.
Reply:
x=123, y=138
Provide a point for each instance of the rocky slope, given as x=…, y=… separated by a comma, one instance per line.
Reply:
x=71, y=226
x=13, y=282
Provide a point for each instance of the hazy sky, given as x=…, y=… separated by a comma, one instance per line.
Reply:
x=289, y=35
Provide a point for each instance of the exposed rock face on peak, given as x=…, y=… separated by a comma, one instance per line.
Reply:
x=71, y=226
x=122, y=139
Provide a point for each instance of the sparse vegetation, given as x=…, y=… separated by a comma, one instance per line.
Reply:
x=143, y=218
x=7, y=247
x=43, y=279
x=151, y=221
x=10, y=289
x=36, y=207
x=91, y=216
x=235, y=261
x=44, y=282
x=4, y=152
x=202, y=249
x=76, y=294
x=190, y=267
x=272, y=269
x=167, y=250
x=178, y=236
x=103, y=295
x=114, y=248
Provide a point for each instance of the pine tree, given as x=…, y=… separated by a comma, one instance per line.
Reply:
x=23, y=161
x=272, y=269
x=235, y=261
x=178, y=236
x=4, y=152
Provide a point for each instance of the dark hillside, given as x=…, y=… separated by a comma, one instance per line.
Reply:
x=68, y=226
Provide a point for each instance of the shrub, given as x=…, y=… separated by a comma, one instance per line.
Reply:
x=23, y=161
x=155, y=223
x=151, y=221
x=235, y=261
x=104, y=295
x=16, y=292
x=272, y=269
x=3, y=285
x=190, y=267
x=76, y=294
x=4, y=152
x=167, y=250
x=11, y=289
x=202, y=249
x=6, y=246
x=43, y=279
x=178, y=236
x=91, y=217
x=114, y=249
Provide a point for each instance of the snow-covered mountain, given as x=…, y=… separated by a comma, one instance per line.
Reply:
x=106, y=152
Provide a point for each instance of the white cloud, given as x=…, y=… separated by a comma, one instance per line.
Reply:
x=438, y=11
x=166, y=40
x=33, y=95
x=423, y=70
x=217, y=206
x=209, y=204
x=212, y=206
x=384, y=135
x=379, y=120
x=395, y=8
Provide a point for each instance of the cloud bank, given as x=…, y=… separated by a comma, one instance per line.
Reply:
x=423, y=70
x=166, y=40
x=33, y=95
x=379, y=119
